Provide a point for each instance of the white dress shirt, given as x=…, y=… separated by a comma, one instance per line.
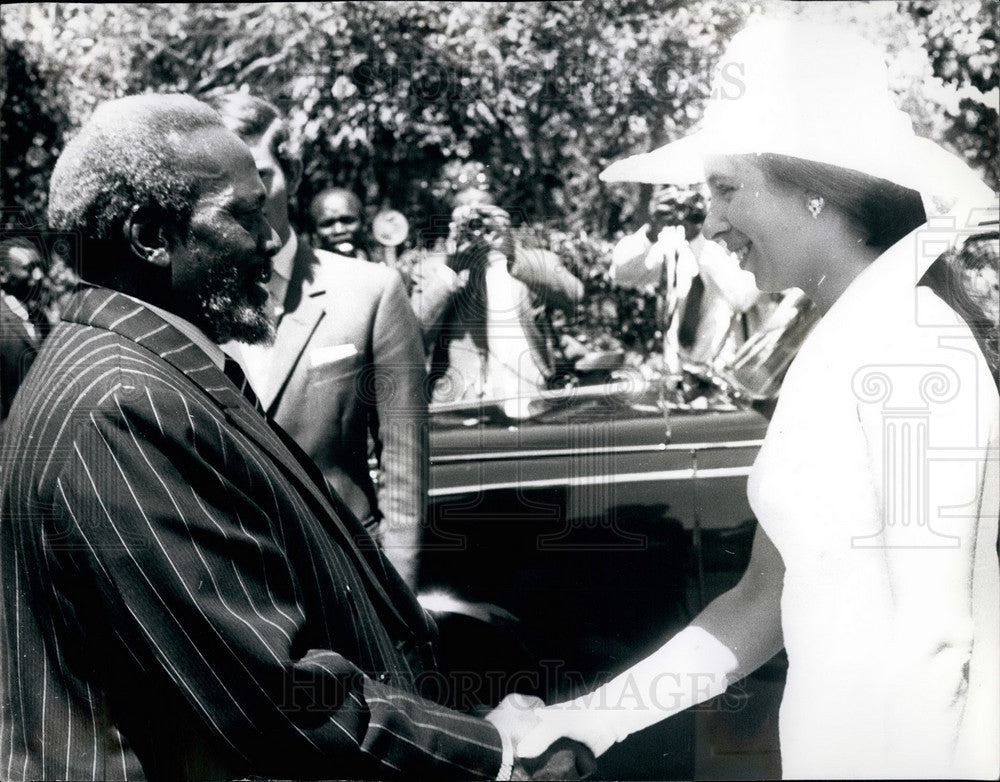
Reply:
x=511, y=372
x=18, y=309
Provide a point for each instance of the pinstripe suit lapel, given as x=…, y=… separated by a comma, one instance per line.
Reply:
x=108, y=309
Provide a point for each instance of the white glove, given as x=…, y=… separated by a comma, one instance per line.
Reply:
x=690, y=668
x=516, y=715
x=583, y=719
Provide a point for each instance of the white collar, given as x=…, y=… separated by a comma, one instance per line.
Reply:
x=17, y=307
x=282, y=261
x=914, y=254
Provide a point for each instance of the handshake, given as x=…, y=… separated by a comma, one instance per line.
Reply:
x=560, y=741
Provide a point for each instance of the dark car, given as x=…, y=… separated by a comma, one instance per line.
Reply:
x=570, y=537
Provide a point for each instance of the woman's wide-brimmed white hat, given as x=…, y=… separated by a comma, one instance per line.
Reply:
x=810, y=91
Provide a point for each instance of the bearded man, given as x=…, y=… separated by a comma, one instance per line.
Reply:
x=183, y=599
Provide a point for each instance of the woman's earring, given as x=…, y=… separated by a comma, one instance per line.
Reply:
x=815, y=205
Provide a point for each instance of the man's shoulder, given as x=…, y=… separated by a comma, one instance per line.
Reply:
x=341, y=264
x=78, y=369
x=533, y=251
x=81, y=353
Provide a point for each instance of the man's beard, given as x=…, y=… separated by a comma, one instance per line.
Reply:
x=231, y=306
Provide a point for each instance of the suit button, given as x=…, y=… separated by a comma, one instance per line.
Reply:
x=384, y=678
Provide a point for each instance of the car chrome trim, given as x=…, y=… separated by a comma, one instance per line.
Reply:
x=596, y=480
x=558, y=452
x=632, y=386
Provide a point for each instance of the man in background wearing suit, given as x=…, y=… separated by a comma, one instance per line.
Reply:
x=182, y=597
x=22, y=327
x=337, y=219
x=347, y=362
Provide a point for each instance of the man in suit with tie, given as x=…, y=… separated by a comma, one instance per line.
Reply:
x=347, y=365
x=182, y=597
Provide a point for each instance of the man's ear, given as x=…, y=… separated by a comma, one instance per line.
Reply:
x=294, y=176
x=144, y=231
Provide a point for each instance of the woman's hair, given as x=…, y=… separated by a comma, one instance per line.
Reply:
x=885, y=211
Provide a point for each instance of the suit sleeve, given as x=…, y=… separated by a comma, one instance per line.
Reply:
x=400, y=388
x=187, y=551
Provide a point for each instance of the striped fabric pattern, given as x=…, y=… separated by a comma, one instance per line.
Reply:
x=180, y=599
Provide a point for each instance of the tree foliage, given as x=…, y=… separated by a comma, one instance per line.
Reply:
x=383, y=94
x=32, y=136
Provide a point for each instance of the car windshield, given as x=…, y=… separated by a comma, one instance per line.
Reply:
x=607, y=381
x=629, y=393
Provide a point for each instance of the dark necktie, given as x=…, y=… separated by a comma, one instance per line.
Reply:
x=235, y=373
x=688, y=330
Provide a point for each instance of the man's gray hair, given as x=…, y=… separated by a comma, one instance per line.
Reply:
x=125, y=157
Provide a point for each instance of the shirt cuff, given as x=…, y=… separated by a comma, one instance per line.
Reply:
x=506, y=758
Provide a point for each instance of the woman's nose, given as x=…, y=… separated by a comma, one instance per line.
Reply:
x=715, y=224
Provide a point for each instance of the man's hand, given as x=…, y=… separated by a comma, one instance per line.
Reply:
x=564, y=760
x=516, y=716
x=662, y=210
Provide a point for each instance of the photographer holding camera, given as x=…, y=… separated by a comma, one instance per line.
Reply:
x=483, y=307
x=710, y=304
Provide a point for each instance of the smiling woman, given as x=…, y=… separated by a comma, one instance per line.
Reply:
x=766, y=208
x=874, y=562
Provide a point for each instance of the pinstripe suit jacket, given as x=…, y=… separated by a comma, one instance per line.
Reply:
x=180, y=598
